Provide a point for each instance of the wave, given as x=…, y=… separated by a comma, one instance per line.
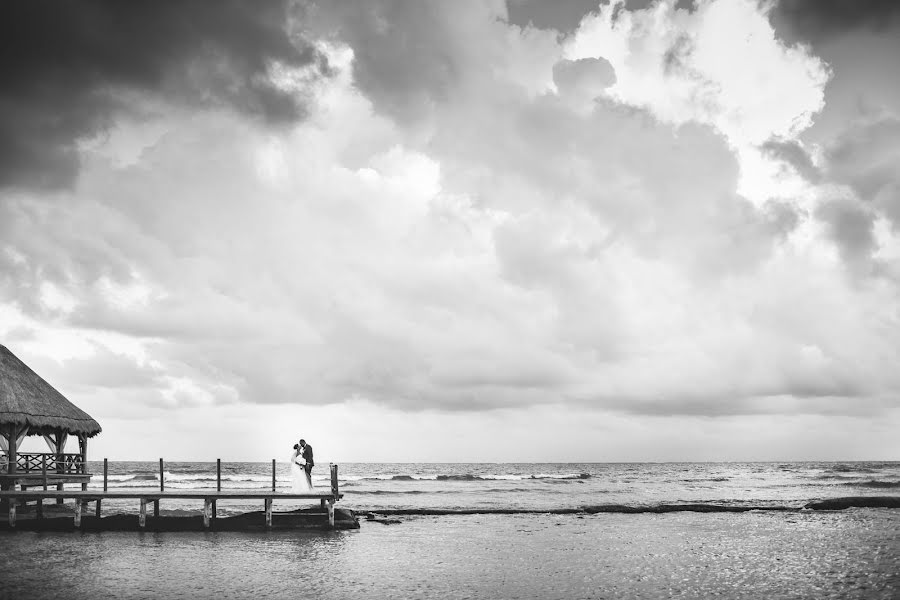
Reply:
x=855, y=502
x=698, y=507
x=874, y=483
x=849, y=469
x=467, y=477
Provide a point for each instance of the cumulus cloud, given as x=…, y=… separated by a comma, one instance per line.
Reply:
x=453, y=228
x=67, y=70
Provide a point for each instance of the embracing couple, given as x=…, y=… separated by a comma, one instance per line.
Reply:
x=301, y=468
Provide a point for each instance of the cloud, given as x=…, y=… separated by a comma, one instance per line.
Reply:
x=67, y=70
x=749, y=89
x=586, y=75
x=793, y=153
x=474, y=236
x=865, y=157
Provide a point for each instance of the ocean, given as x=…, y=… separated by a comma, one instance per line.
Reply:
x=486, y=530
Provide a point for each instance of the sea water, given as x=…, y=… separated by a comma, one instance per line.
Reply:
x=795, y=553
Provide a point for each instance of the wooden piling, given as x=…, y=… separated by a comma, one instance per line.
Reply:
x=268, y=505
x=156, y=507
x=78, y=506
x=207, y=509
x=142, y=518
x=105, y=474
x=162, y=478
x=44, y=469
x=215, y=508
x=97, y=508
x=273, y=474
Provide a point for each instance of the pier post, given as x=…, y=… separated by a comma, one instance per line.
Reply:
x=268, y=503
x=215, y=508
x=142, y=518
x=39, y=508
x=156, y=507
x=273, y=474
x=334, y=479
x=97, y=508
x=12, y=512
x=207, y=509
x=331, y=513
x=78, y=505
x=162, y=478
x=105, y=474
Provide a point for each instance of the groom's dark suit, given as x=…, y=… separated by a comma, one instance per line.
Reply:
x=308, y=457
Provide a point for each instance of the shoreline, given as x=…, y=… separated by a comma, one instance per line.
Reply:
x=346, y=518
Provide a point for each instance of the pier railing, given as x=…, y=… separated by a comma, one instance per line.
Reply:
x=45, y=462
x=28, y=461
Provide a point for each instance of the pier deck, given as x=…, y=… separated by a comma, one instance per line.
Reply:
x=209, y=497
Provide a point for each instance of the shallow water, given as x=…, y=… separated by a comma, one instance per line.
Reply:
x=846, y=554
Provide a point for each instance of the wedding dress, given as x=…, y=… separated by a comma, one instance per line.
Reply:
x=299, y=483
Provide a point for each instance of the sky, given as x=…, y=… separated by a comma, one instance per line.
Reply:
x=458, y=231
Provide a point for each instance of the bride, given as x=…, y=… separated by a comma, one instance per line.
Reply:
x=299, y=482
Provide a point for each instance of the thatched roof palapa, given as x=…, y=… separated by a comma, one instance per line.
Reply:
x=26, y=399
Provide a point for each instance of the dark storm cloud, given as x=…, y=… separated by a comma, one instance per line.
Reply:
x=851, y=227
x=865, y=157
x=791, y=152
x=565, y=15
x=561, y=16
x=592, y=72
x=67, y=67
x=816, y=20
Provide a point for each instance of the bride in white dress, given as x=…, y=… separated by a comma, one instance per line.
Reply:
x=299, y=483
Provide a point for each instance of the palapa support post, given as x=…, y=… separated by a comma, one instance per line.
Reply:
x=207, y=509
x=82, y=469
x=11, y=454
x=61, y=438
x=142, y=518
x=44, y=470
x=268, y=505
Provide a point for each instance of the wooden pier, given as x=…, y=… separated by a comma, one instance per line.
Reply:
x=83, y=497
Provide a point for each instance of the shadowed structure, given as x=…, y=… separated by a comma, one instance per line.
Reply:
x=31, y=406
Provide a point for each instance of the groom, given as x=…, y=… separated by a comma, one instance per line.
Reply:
x=306, y=452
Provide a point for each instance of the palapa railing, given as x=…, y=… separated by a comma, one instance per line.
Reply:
x=39, y=462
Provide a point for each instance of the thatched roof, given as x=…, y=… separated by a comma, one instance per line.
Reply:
x=26, y=399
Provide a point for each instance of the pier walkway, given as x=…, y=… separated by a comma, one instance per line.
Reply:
x=209, y=497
